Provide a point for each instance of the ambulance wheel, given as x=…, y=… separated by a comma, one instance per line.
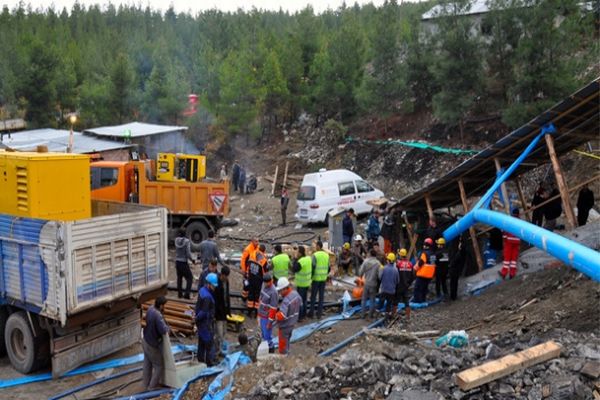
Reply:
x=197, y=231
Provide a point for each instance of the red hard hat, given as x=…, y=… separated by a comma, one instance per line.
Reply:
x=428, y=242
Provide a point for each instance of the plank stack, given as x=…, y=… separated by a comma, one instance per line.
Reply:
x=179, y=315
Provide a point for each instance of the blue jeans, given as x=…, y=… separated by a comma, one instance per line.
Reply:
x=303, y=292
x=317, y=287
x=267, y=333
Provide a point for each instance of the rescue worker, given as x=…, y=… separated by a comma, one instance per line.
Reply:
x=248, y=254
x=373, y=228
x=406, y=277
x=284, y=201
x=256, y=270
x=387, y=233
x=511, y=251
x=183, y=254
x=320, y=273
x=280, y=262
x=269, y=300
x=154, y=330
x=212, y=268
x=359, y=252
x=222, y=307
x=442, y=259
x=390, y=278
x=288, y=313
x=585, y=202
x=303, y=278
x=370, y=271
x=539, y=197
x=381, y=257
x=348, y=226
x=456, y=267
x=242, y=180
x=208, y=250
x=235, y=175
x=248, y=346
x=205, y=320
x=345, y=261
x=425, y=270
x=433, y=231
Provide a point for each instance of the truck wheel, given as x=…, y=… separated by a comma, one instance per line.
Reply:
x=26, y=352
x=197, y=232
x=3, y=319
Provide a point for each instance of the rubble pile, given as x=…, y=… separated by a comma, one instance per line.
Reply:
x=395, y=365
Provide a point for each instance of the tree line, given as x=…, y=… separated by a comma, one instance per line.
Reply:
x=254, y=70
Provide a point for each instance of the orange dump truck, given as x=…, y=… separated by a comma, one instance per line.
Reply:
x=194, y=204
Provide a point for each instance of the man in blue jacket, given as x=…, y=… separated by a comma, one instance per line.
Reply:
x=205, y=320
x=348, y=226
x=373, y=228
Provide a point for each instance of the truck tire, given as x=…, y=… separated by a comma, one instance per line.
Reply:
x=3, y=319
x=197, y=231
x=27, y=353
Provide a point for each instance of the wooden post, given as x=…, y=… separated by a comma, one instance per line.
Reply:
x=560, y=180
x=465, y=204
x=429, y=209
x=287, y=164
x=411, y=237
x=523, y=201
x=274, y=181
x=503, y=188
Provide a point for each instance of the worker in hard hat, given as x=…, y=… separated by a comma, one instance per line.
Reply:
x=425, y=270
x=249, y=254
x=269, y=300
x=280, y=262
x=303, y=277
x=256, y=269
x=205, y=320
x=369, y=269
x=345, y=259
x=406, y=277
x=389, y=278
x=442, y=260
x=511, y=245
x=320, y=273
x=288, y=313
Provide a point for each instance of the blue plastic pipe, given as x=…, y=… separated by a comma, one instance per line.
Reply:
x=350, y=339
x=583, y=259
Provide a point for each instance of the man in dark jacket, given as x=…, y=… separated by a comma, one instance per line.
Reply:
x=205, y=320
x=348, y=226
x=209, y=250
x=585, y=202
x=242, y=180
x=222, y=307
x=235, y=175
x=553, y=210
x=183, y=253
x=539, y=197
x=154, y=330
x=373, y=228
x=442, y=260
x=284, y=201
x=456, y=267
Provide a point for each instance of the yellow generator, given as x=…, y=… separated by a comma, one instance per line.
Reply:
x=172, y=167
x=45, y=185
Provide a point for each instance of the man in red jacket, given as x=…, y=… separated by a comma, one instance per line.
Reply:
x=511, y=246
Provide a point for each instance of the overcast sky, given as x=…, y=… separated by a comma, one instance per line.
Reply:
x=199, y=5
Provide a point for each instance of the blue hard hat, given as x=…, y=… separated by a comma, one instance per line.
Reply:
x=212, y=279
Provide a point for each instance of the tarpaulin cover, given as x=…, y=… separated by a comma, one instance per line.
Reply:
x=417, y=145
x=216, y=390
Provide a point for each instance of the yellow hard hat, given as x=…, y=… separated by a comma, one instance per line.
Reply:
x=391, y=257
x=441, y=241
x=347, y=246
x=403, y=252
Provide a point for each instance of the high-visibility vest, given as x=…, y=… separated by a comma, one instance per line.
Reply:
x=281, y=263
x=322, y=267
x=427, y=271
x=303, y=277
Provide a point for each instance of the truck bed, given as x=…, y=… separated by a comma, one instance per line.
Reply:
x=60, y=269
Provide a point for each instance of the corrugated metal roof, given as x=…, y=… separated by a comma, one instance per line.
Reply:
x=134, y=129
x=57, y=140
x=477, y=7
x=577, y=121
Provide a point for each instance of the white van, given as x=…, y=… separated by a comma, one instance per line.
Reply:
x=323, y=191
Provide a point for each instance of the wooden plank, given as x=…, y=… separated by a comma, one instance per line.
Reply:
x=475, y=244
x=503, y=188
x=522, y=199
x=429, y=209
x=411, y=237
x=287, y=164
x=274, y=181
x=562, y=185
x=490, y=371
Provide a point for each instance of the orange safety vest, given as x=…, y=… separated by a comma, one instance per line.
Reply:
x=248, y=254
x=427, y=270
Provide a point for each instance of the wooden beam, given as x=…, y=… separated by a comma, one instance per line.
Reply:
x=490, y=371
x=522, y=198
x=560, y=180
x=465, y=204
x=503, y=188
x=274, y=181
x=287, y=164
x=428, y=203
x=411, y=237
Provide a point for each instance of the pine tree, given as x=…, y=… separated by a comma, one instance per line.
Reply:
x=121, y=79
x=273, y=91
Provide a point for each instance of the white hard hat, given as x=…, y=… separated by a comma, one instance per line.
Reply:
x=358, y=237
x=282, y=283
